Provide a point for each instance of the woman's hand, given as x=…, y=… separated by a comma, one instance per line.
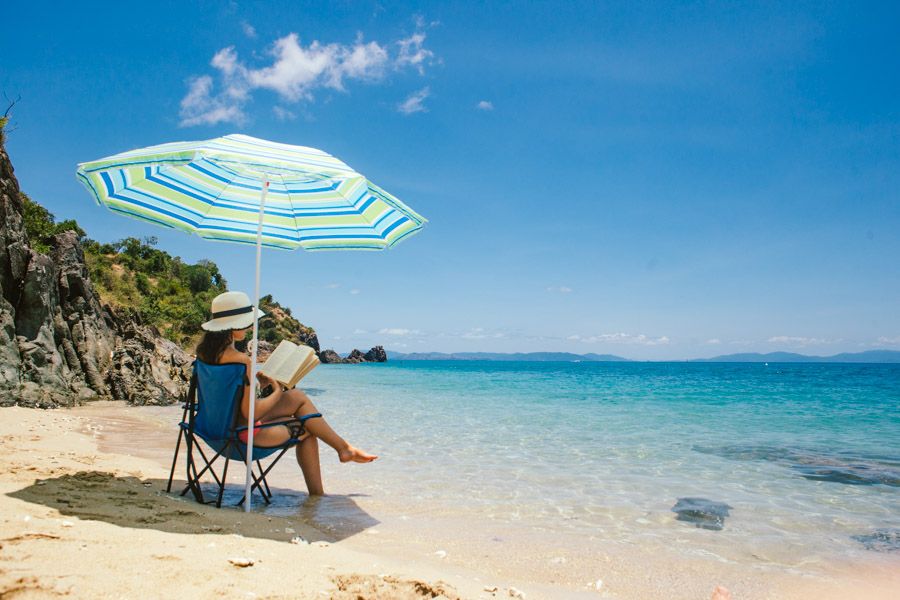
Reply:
x=265, y=381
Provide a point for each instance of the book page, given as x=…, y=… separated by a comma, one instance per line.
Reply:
x=308, y=365
x=302, y=357
x=279, y=365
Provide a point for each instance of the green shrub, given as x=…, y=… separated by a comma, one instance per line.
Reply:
x=41, y=225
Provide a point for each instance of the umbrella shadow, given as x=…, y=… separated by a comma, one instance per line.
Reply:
x=143, y=504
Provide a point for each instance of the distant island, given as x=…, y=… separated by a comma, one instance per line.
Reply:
x=515, y=356
x=869, y=356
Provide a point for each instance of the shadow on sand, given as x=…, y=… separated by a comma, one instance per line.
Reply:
x=142, y=503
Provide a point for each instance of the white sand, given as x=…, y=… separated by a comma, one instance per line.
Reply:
x=89, y=523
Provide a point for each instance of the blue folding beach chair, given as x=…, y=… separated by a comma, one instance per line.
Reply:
x=211, y=414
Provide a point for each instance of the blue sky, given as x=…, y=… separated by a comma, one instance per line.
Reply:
x=657, y=181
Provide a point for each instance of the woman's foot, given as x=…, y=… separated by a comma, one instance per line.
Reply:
x=351, y=454
x=720, y=593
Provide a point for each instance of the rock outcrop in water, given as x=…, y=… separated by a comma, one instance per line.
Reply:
x=880, y=540
x=376, y=354
x=58, y=345
x=835, y=467
x=703, y=513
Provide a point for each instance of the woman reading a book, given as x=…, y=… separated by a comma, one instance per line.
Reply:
x=232, y=319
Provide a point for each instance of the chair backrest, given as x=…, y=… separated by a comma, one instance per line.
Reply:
x=219, y=390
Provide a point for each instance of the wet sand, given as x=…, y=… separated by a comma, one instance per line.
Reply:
x=83, y=504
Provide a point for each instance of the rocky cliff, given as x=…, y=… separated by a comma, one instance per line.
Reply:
x=58, y=345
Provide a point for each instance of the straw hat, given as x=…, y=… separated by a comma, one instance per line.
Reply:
x=231, y=310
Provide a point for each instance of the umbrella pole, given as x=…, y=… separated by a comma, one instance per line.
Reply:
x=251, y=419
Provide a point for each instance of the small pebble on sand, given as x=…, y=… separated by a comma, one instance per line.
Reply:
x=516, y=593
x=441, y=554
x=241, y=562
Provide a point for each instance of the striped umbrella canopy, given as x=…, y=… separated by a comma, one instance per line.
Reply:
x=212, y=189
x=242, y=189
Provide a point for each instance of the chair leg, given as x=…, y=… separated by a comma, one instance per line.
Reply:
x=174, y=460
x=268, y=492
x=222, y=483
x=257, y=481
x=209, y=464
x=181, y=433
x=193, y=481
x=262, y=478
x=256, y=486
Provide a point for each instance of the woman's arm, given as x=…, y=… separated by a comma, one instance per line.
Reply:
x=264, y=405
x=245, y=399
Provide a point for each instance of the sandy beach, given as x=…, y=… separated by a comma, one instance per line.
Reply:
x=86, y=515
x=83, y=523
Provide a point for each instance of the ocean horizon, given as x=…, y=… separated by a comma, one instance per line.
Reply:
x=877, y=356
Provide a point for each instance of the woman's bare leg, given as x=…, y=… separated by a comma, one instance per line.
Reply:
x=308, y=459
x=297, y=403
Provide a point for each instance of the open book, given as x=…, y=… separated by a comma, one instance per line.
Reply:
x=290, y=363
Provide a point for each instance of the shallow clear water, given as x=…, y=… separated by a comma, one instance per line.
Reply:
x=807, y=456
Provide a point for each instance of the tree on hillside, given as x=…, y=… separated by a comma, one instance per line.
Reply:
x=41, y=225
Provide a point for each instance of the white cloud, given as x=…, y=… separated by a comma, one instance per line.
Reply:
x=621, y=338
x=412, y=52
x=333, y=286
x=893, y=341
x=364, y=61
x=561, y=289
x=358, y=331
x=414, y=103
x=714, y=341
x=295, y=72
x=354, y=291
x=248, y=29
x=478, y=333
x=201, y=107
x=399, y=331
x=283, y=114
x=792, y=340
x=485, y=105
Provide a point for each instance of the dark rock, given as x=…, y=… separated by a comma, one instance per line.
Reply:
x=308, y=337
x=834, y=467
x=58, y=345
x=330, y=357
x=376, y=354
x=880, y=540
x=355, y=357
x=702, y=512
x=148, y=369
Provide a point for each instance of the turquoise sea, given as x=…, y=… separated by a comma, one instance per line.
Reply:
x=805, y=456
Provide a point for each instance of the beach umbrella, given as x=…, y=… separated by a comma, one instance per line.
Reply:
x=242, y=189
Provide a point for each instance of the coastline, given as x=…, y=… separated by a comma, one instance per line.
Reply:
x=81, y=522
x=81, y=502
